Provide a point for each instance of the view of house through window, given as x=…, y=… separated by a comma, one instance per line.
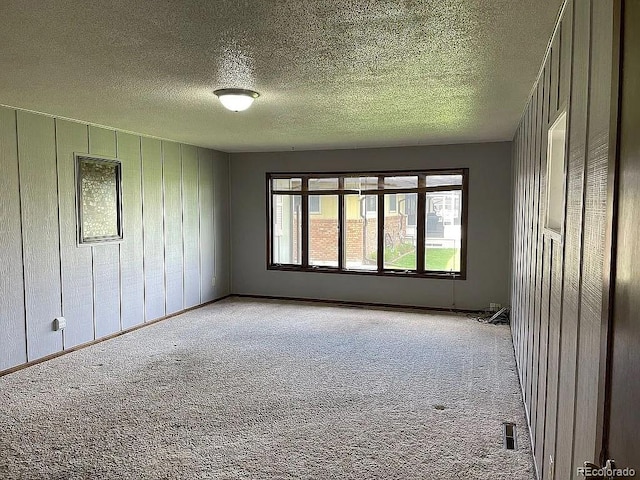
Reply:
x=390, y=222
x=286, y=222
x=323, y=230
x=360, y=232
x=443, y=230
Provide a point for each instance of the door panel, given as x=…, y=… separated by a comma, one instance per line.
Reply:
x=624, y=395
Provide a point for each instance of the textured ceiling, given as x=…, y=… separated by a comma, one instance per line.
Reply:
x=331, y=73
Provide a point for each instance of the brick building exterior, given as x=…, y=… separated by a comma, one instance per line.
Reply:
x=360, y=238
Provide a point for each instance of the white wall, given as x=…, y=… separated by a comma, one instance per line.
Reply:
x=489, y=230
x=176, y=235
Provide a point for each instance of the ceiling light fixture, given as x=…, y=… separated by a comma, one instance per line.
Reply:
x=236, y=99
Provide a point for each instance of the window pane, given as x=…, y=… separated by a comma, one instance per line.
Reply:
x=443, y=231
x=323, y=231
x=393, y=203
x=99, y=197
x=400, y=182
x=370, y=205
x=442, y=180
x=400, y=233
x=286, y=230
x=293, y=184
x=361, y=183
x=314, y=204
x=323, y=184
x=361, y=233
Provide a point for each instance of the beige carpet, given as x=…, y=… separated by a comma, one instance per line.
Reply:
x=253, y=389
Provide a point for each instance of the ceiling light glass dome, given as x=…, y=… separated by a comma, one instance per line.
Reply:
x=236, y=99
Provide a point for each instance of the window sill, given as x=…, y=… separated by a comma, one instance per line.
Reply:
x=384, y=273
x=102, y=241
x=554, y=235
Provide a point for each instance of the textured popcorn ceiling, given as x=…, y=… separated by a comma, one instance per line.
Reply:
x=331, y=73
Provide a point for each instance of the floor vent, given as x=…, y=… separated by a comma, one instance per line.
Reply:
x=509, y=436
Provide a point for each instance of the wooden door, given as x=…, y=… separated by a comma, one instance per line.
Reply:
x=622, y=431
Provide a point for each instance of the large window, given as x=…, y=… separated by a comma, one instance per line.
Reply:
x=383, y=223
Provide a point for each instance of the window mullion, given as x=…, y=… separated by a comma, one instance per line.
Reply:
x=421, y=217
x=464, y=222
x=305, y=222
x=380, y=225
x=269, y=200
x=341, y=224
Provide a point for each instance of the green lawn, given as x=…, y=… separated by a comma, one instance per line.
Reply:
x=442, y=259
x=439, y=259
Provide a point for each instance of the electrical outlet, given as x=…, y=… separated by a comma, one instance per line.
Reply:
x=494, y=307
x=59, y=323
x=213, y=281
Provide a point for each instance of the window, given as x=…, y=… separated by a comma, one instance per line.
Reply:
x=286, y=228
x=399, y=235
x=331, y=223
x=557, y=139
x=443, y=230
x=323, y=231
x=99, y=197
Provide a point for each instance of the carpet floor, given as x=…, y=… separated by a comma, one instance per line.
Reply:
x=265, y=389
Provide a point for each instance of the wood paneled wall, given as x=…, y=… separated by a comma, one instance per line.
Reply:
x=557, y=282
x=174, y=254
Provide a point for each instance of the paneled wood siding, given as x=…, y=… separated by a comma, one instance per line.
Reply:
x=166, y=262
x=557, y=282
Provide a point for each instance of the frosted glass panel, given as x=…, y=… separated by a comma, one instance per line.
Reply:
x=99, y=199
x=400, y=182
x=361, y=183
x=443, y=180
x=323, y=184
x=293, y=184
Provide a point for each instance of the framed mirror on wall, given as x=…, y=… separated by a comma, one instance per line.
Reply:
x=99, y=199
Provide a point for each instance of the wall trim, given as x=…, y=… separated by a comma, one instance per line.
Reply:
x=350, y=303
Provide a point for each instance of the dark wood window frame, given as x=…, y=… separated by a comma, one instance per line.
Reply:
x=421, y=190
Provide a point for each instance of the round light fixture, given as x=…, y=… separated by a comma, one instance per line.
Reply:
x=236, y=99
